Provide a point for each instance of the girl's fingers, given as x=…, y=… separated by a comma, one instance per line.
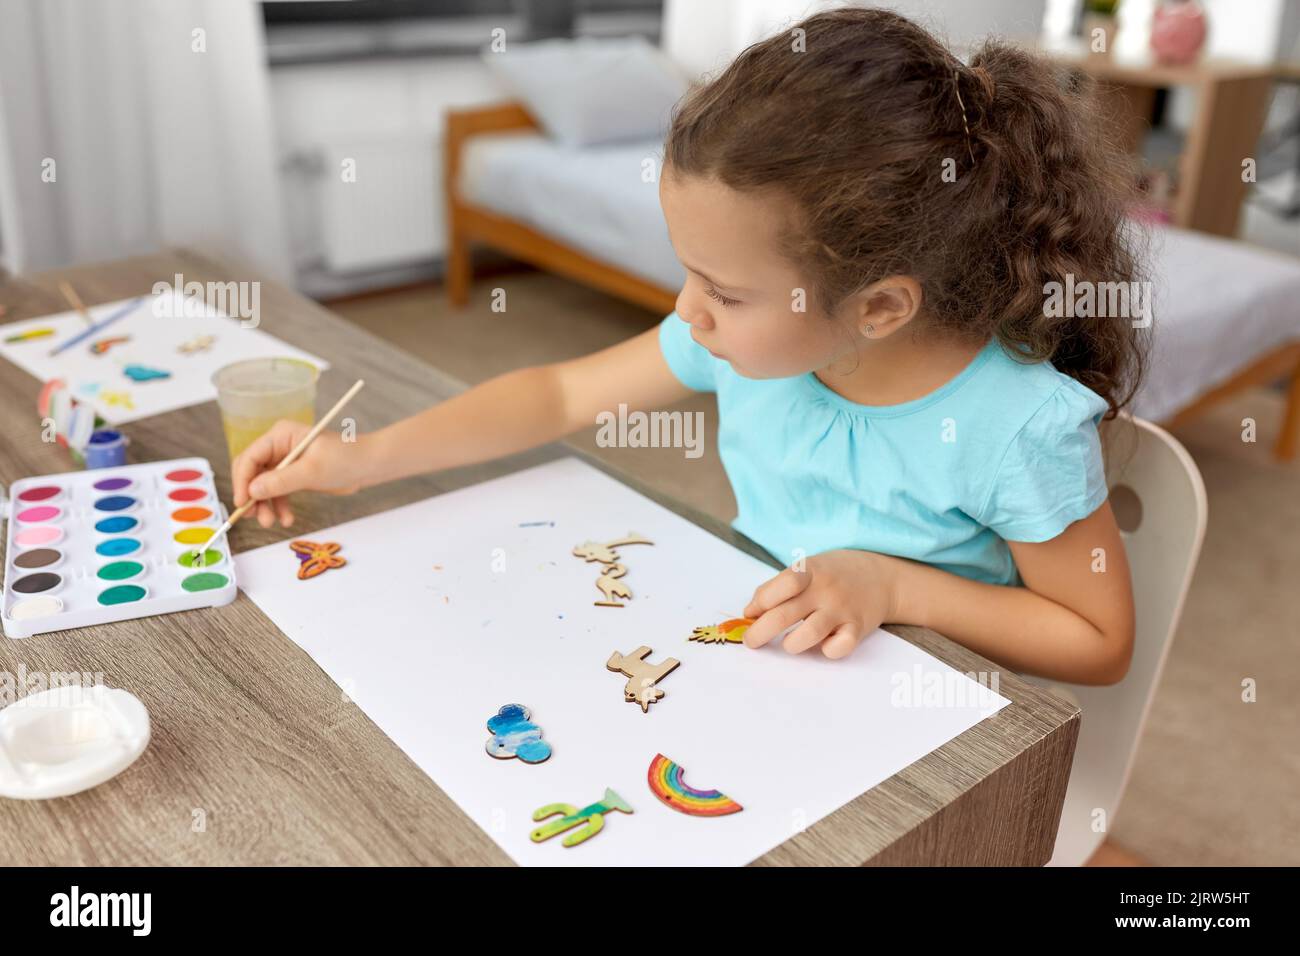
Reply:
x=260, y=455
x=265, y=516
x=842, y=641
x=776, y=591
x=283, y=511
x=770, y=624
x=810, y=633
x=263, y=454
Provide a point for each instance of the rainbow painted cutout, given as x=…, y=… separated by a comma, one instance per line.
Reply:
x=101, y=346
x=666, y=783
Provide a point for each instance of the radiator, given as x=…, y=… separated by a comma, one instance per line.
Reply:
x=392, y=215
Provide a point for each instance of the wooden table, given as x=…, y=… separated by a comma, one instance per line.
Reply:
x=257, y=757
x=1231, y=104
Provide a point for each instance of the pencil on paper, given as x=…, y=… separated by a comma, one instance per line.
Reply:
x=74, y=300
x=91, y=330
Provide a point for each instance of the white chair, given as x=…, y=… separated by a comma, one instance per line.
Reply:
x=1159, y=502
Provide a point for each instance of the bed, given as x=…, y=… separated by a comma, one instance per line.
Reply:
x=1228, y=313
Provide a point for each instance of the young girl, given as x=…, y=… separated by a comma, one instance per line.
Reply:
x=869, y=228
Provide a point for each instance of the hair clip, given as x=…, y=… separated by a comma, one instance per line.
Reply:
x=964, y=121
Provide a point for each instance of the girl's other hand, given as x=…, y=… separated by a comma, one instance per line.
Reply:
x=329, y=464
x=840, y=596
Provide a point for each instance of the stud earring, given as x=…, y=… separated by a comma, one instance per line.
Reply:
x=869, y=331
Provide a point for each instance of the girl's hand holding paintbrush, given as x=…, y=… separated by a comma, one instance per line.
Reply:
x=299, y=447
x=329, y=464
x=507, y=414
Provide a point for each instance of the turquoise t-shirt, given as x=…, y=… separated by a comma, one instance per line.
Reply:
x=1005, y=451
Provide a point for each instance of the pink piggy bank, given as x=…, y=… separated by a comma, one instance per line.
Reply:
x=1177, y=31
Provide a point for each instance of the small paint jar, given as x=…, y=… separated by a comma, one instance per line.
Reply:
x=106, y=449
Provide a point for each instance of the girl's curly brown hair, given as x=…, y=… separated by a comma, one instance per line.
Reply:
x=858, y=130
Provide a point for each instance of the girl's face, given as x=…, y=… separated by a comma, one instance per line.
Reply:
x=742, y=298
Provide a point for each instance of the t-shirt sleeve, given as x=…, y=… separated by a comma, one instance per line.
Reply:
x=1052, y=474
x=689, y=361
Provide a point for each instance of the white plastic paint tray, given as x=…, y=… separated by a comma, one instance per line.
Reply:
x=93, y=547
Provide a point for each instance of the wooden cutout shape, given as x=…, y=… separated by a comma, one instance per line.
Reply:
x=667, y=781
x=641, y=676
x=316, y=558
x=728, y=632
x=591, y=818
x=514, y=735
x=608, y=584
x=605, y=553
x=200, y=343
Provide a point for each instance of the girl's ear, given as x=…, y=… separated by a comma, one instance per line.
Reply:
x=884, y=307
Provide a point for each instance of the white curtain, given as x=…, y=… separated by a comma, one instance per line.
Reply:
x=157, y=116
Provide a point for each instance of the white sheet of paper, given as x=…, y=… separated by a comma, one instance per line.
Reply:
x=154, y=342
x=449, y=609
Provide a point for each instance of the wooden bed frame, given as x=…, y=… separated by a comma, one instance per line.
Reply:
x=468, y=224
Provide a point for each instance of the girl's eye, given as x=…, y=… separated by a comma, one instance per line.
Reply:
x=717, y=296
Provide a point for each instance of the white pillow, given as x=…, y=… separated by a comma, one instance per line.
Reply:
x=590, y=91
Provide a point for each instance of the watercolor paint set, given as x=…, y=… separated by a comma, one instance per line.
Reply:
x=92, y=547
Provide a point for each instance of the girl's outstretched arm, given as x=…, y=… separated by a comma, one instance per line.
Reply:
x=527, y=407
x=510, y=413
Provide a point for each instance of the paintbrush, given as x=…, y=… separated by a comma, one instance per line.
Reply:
x=198, y=554
x=91, y=330
x=74, y=300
